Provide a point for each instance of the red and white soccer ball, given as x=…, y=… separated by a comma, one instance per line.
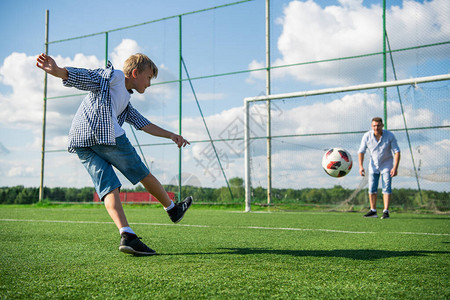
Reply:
x=337, y=162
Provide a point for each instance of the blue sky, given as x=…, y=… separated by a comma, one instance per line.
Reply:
x=219, y=41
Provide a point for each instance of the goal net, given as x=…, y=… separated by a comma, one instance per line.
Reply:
x=305, y=124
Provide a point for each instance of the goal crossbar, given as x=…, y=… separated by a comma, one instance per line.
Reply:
x=368, y=86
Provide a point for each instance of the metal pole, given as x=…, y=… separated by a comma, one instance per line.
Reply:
x=404, y=119
x=44, y=118
x=269, y=118
x=247, y=157
x=352, y=88
x=384, y=64
x=106, y=49
x=180, y=107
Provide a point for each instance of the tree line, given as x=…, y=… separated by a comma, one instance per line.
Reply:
x=235, y=194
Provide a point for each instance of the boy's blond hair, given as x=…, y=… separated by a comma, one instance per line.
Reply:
x=139, y=62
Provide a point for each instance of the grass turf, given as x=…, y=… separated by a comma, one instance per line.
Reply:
x=72, y=252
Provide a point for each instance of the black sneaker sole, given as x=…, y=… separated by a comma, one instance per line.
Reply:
x=179, y=220
x=129, y=250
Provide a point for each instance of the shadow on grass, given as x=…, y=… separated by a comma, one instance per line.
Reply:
x=362, y=254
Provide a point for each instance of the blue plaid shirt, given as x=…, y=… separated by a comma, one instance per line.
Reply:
x=92, y=124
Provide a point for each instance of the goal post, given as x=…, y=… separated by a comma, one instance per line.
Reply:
x=284, y=96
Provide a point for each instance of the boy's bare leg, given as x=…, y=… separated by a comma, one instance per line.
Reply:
x=129, y=242
x=115, y=209
x=154, y=187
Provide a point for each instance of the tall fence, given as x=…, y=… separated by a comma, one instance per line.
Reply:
x=211, y=59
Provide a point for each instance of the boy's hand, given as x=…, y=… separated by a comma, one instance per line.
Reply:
x=179, y=140
x=158, y=131
x=49, y=65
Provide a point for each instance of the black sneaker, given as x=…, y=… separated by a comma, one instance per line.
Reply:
x=131, y=244
x=385, y=215
x=178, y=211
x=371, y=214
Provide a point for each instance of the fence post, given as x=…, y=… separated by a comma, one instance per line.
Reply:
x=384, y=64
x=269, y=116
x=180, y=98
x=247, y=156
x=44, y=117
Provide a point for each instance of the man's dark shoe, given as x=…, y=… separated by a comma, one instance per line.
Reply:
x=385, y=215
x=178, y=211
x=131, y=244
x=371, y=214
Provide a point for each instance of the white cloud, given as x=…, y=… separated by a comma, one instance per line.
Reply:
x=25, y=102
x=261, y=75
x=17, y=169
x=23, y=107
x=217, y=123
x=21, y=171
x=161, y=93
x=124, y=50
x=343, y=114
x=311, y=32
x=305, y=119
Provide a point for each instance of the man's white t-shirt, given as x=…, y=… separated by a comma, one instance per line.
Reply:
x=120, y=97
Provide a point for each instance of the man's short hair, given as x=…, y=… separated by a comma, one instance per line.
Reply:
x=378, y=120
x=139, y=62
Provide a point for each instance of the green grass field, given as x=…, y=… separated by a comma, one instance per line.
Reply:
x=71, y=252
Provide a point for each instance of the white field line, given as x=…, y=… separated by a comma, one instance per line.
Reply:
x=240, y=227
x=306, y=229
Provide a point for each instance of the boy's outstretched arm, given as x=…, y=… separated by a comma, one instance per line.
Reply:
x=158, y=131
x=48, y=64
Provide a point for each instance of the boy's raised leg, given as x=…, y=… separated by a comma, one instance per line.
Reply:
x=154, y=187
x=176, y=211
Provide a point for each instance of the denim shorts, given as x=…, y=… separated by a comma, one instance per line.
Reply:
x=100, y=159
x=386, y=181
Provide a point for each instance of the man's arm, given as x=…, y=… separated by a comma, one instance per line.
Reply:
x=394, y=170
x=361, y=151
x=48, y=64
x=362, y=172
x=158, y=131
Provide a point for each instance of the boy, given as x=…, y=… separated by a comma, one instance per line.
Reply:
x=98, y=139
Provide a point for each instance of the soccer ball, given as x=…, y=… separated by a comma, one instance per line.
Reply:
x=337, y=162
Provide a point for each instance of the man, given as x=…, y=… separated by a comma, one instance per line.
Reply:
x=384, y=160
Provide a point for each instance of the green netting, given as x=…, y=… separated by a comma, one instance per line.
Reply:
x=226, y=66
